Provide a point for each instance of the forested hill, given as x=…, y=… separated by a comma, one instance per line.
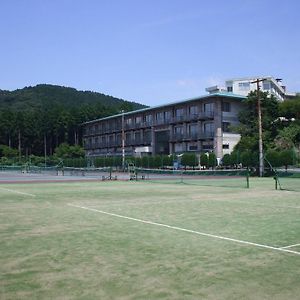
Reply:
x=33, y=117
x=45, y=95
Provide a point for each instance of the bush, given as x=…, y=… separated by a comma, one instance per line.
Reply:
x=212, y=160
x=8, y=152
x=64, y=150
x=189, y=159
x=286, y=158
x=273, y=157
x=226, y=160
x=204, y=160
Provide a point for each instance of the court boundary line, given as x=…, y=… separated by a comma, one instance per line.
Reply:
x=290, y=246
x=17, y=192
x=186, y=230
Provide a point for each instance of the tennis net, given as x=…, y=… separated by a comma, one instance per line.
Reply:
x=288, y=179
x=104, y=173
x=222, y=178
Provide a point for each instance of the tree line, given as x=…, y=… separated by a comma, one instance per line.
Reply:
x=281, y=132
x=36, y=120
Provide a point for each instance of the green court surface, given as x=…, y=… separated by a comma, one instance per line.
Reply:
x=144, y=240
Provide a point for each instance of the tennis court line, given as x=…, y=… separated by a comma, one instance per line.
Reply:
x=290, y=246
x=17, y=192
x=186, y=230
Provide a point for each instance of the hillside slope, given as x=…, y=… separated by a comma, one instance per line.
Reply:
x=45, y=95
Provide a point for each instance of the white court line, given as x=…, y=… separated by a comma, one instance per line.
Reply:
x=17, y=192
x=290, y=246
x=186, y=230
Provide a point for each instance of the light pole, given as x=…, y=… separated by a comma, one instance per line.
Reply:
x=123, y=142
x=260, y=139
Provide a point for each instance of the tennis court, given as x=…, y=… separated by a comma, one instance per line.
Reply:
x=148, y=240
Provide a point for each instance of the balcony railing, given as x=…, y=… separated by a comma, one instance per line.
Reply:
x=177, y=119
x=191, y=136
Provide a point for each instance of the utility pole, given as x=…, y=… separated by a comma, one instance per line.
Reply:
x=45, y=150
x=260, y=139
x=123, y=142
x=19, y=145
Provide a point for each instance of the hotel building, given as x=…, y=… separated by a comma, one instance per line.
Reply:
x=202, y=124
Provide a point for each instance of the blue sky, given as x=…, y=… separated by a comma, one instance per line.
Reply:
x=149, y=51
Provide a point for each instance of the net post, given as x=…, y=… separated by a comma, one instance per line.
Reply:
x=276, y=182
x=110, y=171
x=247, y=178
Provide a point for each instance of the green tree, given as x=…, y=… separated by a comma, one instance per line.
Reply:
x=212, y=160
x=66, y=151
x=8, y=152
x=226, y=160
x=189, y=159
x=273, y=157
x=248, y=118
x=290, y=109
x=287, y=158
x=247, y=159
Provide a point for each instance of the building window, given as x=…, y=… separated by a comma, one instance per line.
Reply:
x=244, y=86
x=128, y=137
x=128, y=121
x=229, y=89
x=112, y=125
x=179, y=112
x=193, y=110
x=178, y=130
x=226, y=127
x=137, y=137
x=193, y=147
x=207, y=147
x=225, y=146
x=102, y=127
x=168, y=115
x=159, y=116
x=148, y=119
x=193, y=129
x=147, y=136
x=208, y=107
x=119, y=138
x=266, y=86
x=209, y=127
x=226, y=106
x=138, y=120
x=178, y=148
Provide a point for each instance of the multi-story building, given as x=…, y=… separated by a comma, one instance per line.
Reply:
x=242, y=86
x=203, y=124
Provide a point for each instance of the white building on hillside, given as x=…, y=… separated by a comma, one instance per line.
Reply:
x=242, y=86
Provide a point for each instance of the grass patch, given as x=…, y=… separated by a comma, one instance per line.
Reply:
x=55, y=251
